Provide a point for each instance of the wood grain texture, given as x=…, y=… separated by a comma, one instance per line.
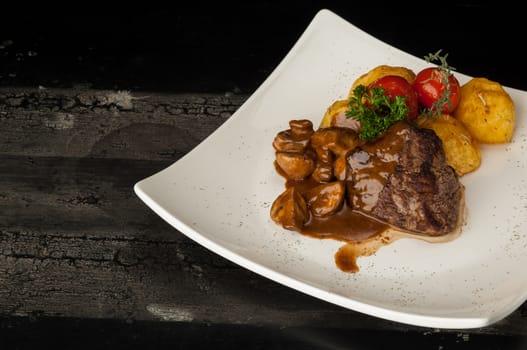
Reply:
x=75, y=241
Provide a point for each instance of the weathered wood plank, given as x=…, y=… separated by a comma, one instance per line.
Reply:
x=72, y=196
x=108, y=124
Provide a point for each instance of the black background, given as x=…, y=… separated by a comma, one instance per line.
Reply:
x=223, y=47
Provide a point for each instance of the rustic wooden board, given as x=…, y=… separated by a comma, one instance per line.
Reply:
x=75, y=241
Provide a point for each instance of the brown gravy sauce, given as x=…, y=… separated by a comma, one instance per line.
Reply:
x=346, y=225
x=371, y=165
x=363, y=236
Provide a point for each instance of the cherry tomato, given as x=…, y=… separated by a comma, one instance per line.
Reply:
x=431, y=84
x=394, y=85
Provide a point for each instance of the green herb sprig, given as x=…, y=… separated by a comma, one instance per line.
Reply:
x=434, y=57
x=446, y=69
x=374, y=110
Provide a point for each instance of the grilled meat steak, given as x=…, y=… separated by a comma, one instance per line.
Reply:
x=403, y=179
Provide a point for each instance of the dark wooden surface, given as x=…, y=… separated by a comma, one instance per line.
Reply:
x=91, y=102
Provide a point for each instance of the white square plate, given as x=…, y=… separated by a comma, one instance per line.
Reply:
x=220, y=193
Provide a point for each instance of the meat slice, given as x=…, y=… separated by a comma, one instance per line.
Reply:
x=403, y=180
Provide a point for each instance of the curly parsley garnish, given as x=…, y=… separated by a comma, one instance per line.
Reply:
x=374, y=110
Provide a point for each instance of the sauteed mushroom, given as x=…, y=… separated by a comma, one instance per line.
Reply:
x=290, y=210
x=338, y=140
x=326, y=199
x=296, y=138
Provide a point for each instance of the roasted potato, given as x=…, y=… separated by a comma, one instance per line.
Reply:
x=486, y=110
x=336, y=116
x=381, y=71
x=461, y=149
x=336, y=108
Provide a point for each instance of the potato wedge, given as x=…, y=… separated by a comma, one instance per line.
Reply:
x=461, y=149
x=381, y=71
x=486, y=110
